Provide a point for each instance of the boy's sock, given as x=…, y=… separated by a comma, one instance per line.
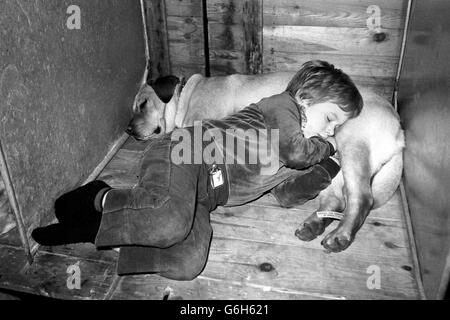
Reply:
x=79, y=213
x=81, y=204
x=99, y=201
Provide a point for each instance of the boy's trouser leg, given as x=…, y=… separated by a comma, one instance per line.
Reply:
x=305, y=185
x=145, y=217
x=160, y=211
x=182, y=261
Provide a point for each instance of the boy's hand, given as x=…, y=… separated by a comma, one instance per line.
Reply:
x=332, y=140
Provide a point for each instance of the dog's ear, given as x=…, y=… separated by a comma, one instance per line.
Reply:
x=165, y=87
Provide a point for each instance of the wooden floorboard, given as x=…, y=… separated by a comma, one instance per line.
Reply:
x=313, y=271
x=48, y=275
x=11, y=238
x=252, y=237
x=86, y=251
x=152, y=287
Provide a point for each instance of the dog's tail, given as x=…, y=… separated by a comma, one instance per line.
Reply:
x=386, y=180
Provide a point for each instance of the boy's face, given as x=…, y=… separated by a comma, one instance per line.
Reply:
x=323, y=119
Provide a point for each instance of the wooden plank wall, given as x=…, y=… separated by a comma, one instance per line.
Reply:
x=344, y=32
x=176, y=37
x=236, y=36
x=185, y=35
x=158, y=41
x=253, y=36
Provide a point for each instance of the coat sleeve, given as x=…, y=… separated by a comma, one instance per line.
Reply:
x=295, y=151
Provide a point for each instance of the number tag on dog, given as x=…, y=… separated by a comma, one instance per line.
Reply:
x=330, y=214
x=216, y=176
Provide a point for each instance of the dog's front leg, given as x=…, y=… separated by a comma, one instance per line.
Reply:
x=357, y=193
x=330, y=199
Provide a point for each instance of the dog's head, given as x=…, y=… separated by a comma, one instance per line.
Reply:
x=149, y=108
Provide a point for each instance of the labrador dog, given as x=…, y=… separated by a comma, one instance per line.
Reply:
x=370, y=146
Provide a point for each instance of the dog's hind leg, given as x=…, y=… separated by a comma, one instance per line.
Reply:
x=357, y=193
x=386, y=180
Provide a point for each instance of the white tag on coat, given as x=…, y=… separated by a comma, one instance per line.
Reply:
x=216, y=177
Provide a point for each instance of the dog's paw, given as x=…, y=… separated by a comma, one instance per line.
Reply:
x=309, y=230
x=337, y=240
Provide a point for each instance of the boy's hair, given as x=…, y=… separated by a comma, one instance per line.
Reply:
x=318, y=81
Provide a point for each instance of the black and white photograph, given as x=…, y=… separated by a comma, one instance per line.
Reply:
x=227, y=155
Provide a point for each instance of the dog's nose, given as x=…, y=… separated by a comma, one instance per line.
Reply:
x=129, y=130
x=157, y=130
